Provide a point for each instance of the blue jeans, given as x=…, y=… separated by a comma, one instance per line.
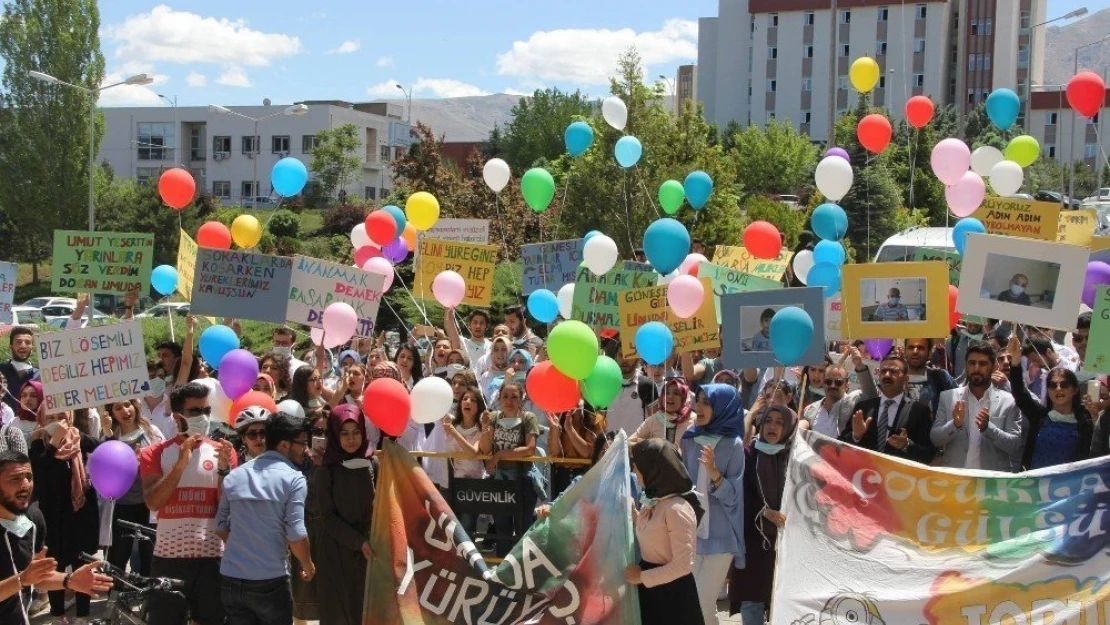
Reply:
x=752, y=612
x=257, y=602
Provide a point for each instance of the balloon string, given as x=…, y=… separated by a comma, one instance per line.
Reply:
x=423, y=312
x=400, y=320
x=1102, y=151
x=647, y=193
x=867, y=195
x=500, y=224
x=628, y=215
x=913, y=154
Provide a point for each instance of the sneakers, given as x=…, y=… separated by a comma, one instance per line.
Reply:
x=38, y=605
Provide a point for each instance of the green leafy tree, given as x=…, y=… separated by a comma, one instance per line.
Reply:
x=774, y=159
x=125, y=205
x=335, y=159
x=535, y=133
x=789, y=222
x=871, y=205
x=909, y=155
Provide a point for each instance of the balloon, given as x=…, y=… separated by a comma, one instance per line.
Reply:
x=572, y=347
x=763, y=240
x=654, y=342
x=984, y=158
x=398, y=217
x=288, y=176
x=1098, y=273
x=578, y=138
x=388, y=405
x=964, y=227
x=422, y=210
x=829, y=252
x=551, y=390
x=112, y=468
x=967, y=195
x=449, y=288
x=615, y=112
x=802, y=263
x=628, y=151
x=692, y=264
x=953, y=315
x=791, y=332
x=177, y=188
x=217, y=399
x=1003, y=106
x=359, y=238
x=919, y=111
x=833, y=177
x=214, y=235
x=538, y=188
x=600, y=254
x=238, y=372
x=878, y=348
x=666, y=244
x=950, y=159
x=671, y=195
x=603, y=384
x=864, y=74
x=248, y=399
x=589, y=235
x=216, y=341
x=827, y=276
x=340, y=322
x=698, y=187
x=1007, y=178
x=874, y=133
x=829, y=221
x=381, y=227
x=317, y=336
x=383, y=267
x=431, y=399
x=1086, y=93
x=365, y=253
x=839, y=152
x=291, y=407
x=685, y=295
x=164, y=279
x=396, y=251
x=543, y=305
x=1023, y=150
x=246, y=231
x=566, y=300
x=410, y=236
x=496, y=173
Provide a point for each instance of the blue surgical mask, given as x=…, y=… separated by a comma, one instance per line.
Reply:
x=1017, y=289
x=769, y=448
x=894, y=301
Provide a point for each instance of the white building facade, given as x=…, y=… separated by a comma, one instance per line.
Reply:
x=1067, y=137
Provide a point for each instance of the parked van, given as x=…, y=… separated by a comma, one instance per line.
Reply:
x=902, y=246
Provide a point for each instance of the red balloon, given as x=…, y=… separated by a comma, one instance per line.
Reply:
x=1086, y=93
x=215, y=235
x=919, y=111
x=762, y=240
x=388, y=405
x=953, y=316
x=365, y=253
x=248, y=399
x=874, y=133
x=382, y=227
x=177, y=187
x=551, y=390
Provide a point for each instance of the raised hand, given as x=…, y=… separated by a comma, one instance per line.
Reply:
x=860, y=425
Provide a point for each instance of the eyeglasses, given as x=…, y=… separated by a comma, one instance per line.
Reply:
x=302, y=443
x=255, y=435
x=197, y=412
x=1058, y=385
x=834, y=382
x=318, y=431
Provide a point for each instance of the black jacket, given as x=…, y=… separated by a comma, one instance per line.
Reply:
x=914, y=417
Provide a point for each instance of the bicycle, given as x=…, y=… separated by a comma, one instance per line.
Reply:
x=131, y=591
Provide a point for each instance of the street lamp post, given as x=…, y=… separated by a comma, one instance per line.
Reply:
x=1080, y=12
x=408, y=98
x=295, y=110
x=176, y=130
x=1071, y=155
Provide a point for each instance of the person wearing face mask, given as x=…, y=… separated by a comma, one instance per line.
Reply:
x=131, y=428
x=155, y=406
x=18, y=370
x=1016, y=293
x=893, y=309
x=628, y=411
x=284, y=338
x=972, y=330
x=250, y=425
x=11, y=437
x=892, y=423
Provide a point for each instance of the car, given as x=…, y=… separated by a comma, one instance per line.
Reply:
x=901, y=247
x=115, y=303
x=39, y=302
x=24, y=316
x=63, y=310
x=791, y=201
x=1055, y=198
x=179, y=309
x=261, y=201
x=60, y=323
x=1099, y=199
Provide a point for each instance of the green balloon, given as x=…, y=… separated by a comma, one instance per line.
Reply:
x=604, y=383
x=572, y=346
x=538, y=188
x=1022, y=150
x=671, y=196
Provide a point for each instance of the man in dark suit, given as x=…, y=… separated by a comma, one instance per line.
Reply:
x=892, y=423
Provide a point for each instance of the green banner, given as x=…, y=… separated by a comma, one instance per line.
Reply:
x=596, y=298
x=953, y=259
x=101, y=262
x=726, y=281
x=1098, y=343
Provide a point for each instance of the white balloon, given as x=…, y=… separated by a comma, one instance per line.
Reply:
x=217, y=399
x=600, y=254
x=1007, y=178
x=984, y=159
x=692, y=263
x=565, y=297
x=834, y=178
x=359, y=238
x=431, y=399
x=669, y=278
x=803, y=262
x=615, y=112
x=291, y=407
x=496, y=174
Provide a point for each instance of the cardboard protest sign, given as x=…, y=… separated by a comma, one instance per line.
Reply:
x=1100, y=243
x=1098, y=342
x=597, y=298
x=550, y=265
x=640, y=306
x=317, y=283
x=7, y=290
x=186, y=264
x=634, y=265
x=1019, y=218
x=834, y=307
x=241, y=284
x=1077, y=227
x=101, y=262
x=460, y=230
x=741, y=260
x=725, y=281
x=89, y=367
x=952, y=259
x=475, y=262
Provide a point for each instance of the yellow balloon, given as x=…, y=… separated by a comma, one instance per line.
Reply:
x=864, y=74
x=422, y=210
x=246, y=231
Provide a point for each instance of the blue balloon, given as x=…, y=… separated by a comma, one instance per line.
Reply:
x=830, y=222
x=628, y=151
x=578, y=138
x=698, y=185
x=543, y=305
x=826, y=276
x=791, y=333
x=398, y=216
x=216, y=341
x=829, y=252
x=654, y=342
x=1003, y=106
x=589, y=235
x=164, y=279
x=288, y=176
x=666, y=244
x=964, y=227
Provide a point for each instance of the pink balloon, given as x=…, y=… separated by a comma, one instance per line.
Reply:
x=692, y=264
x=365, y=253
x=340, y=322
x=951, y=159
x=449, y=288
x=381, y=266
x=317, y=335
x=685, y=295
x=966, y=196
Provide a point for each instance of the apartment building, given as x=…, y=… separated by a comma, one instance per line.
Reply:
x=686, y=85
x=1065, y=136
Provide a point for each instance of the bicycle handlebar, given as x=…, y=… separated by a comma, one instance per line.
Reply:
x=134, y=580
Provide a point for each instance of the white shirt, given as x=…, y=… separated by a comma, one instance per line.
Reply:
x=475, y=350
x=821, y=420
x=160, y=417
x=893, y=416
x=974, y=436
x=295, y=364
x=6, y=414
x=627, y=411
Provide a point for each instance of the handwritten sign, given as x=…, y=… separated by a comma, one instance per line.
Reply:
x=241, y=284
x=461, y=230
x=317, y=283
x=952, y=259
x=1019, y=218
x=635, y=265
x=90, y=367
x=1077, y=227
x=7, y=291
x=550, y=265
x=740, y=259
x=834, y=310
x=101, y=262
x=186, y=264
x=1098, y=345
x=640, y=306
x=473, y=261
x=597, y=298
x=1100, y=243
x=725, y=281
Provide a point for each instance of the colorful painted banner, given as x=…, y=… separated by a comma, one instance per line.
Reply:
x=952, y=259
x=1077, y=227
x=566, y=569
x=635, y=265
x=834, y=311
x=242, y=285
x=874, y=539
x=597, y=298
x=475, y=262
x=1098, y=341
x=317, y=283
x=640, y=306
x=101, y=262
x=739, y=259
x=725, y=281
x=7, y=290
x=550, y=265
x=1019, y=218
x=186, y=264
x=88, y=367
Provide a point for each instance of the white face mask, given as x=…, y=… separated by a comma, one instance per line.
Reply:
x=283, y=351
x=19, y=526
x=51, y=428
x=196, y=426
x=894, y=301
x=157, y=388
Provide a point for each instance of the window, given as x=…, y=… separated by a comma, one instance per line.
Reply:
x=807, y=84
x=809, y=18
x=753, y=24
x=972, y=62
x=772, y=86
x=308, y=144
x=1051, y=150
x=985, y=62
x=248, y=189
x=1023, y=56
x=919, y=45
x=920, y=12
x=1050, y=119
x=196, y=145
x=983, y=27
x=221, y=188
x=806, y=116
x=146, y=175
x=919, y=80
x=221, y=147
x=842, y=83
x=155, y=141
x=250, y=145
x=771, y=115
x=1090, y=150
x=372, y=192
x=773, y=20
x=385, y=154
x=880, y=48
x=1025, y=20
x=279, y=144
x=845, y=50
x=884, y=14
x=971, y=96
x=809, y=52
x=882, y=82
x=845, y=17
x=988, y=26
x=772, y=52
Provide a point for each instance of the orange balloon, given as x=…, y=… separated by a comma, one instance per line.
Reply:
x=874, y=133
x=250, y=398
x=410, y=236
x=215, y=235
x=177, y=187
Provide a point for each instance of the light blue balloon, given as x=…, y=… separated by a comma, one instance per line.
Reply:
x=964, y=227
x=164, y=279
x=654, y=342
x=578, y=138
x=543, y=306
x=826, y=276
x=829, y=222
x=698, y=186
x=666, y=244
x=1003, y=106
x=398, y=216
x=216, y=341
x=288, y=176
x=589, y=235
x=829, y=252
x=628, y=151
x=791, y=333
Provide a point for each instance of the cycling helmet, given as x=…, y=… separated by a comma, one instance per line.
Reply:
x=251, y=414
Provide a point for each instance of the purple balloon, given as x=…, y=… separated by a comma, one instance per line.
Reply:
x=396, y=251
x=841, y=152
x=238, y=373
x=1098, y=274
x=878, y=348
x=113, y=468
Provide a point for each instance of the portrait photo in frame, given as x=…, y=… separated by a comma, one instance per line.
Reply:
x=895, y=300
x=745, y=317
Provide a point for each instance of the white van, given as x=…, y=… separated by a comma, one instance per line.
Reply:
x=901, y=247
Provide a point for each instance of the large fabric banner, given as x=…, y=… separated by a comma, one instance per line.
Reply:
x=872, y=539
x=568, y=568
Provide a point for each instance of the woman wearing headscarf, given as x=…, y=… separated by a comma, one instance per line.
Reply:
x=499, y=353
x=674, y=416
x=30, y=398
x=713, y=454
x=766, y=461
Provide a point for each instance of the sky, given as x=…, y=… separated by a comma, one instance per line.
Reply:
x=237, y=53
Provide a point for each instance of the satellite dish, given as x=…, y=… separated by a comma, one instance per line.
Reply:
x=266, y=102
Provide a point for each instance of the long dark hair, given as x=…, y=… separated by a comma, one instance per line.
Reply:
x=299, y=390
x=476, y=393
x=417, y=364
x=1069, y=378
x=282, y=381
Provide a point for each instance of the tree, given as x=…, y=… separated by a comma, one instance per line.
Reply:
x=334, y=158
x=909, y=162
x=535, y=133
x=773, y=160
x=125, y=205
x=871, y=206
